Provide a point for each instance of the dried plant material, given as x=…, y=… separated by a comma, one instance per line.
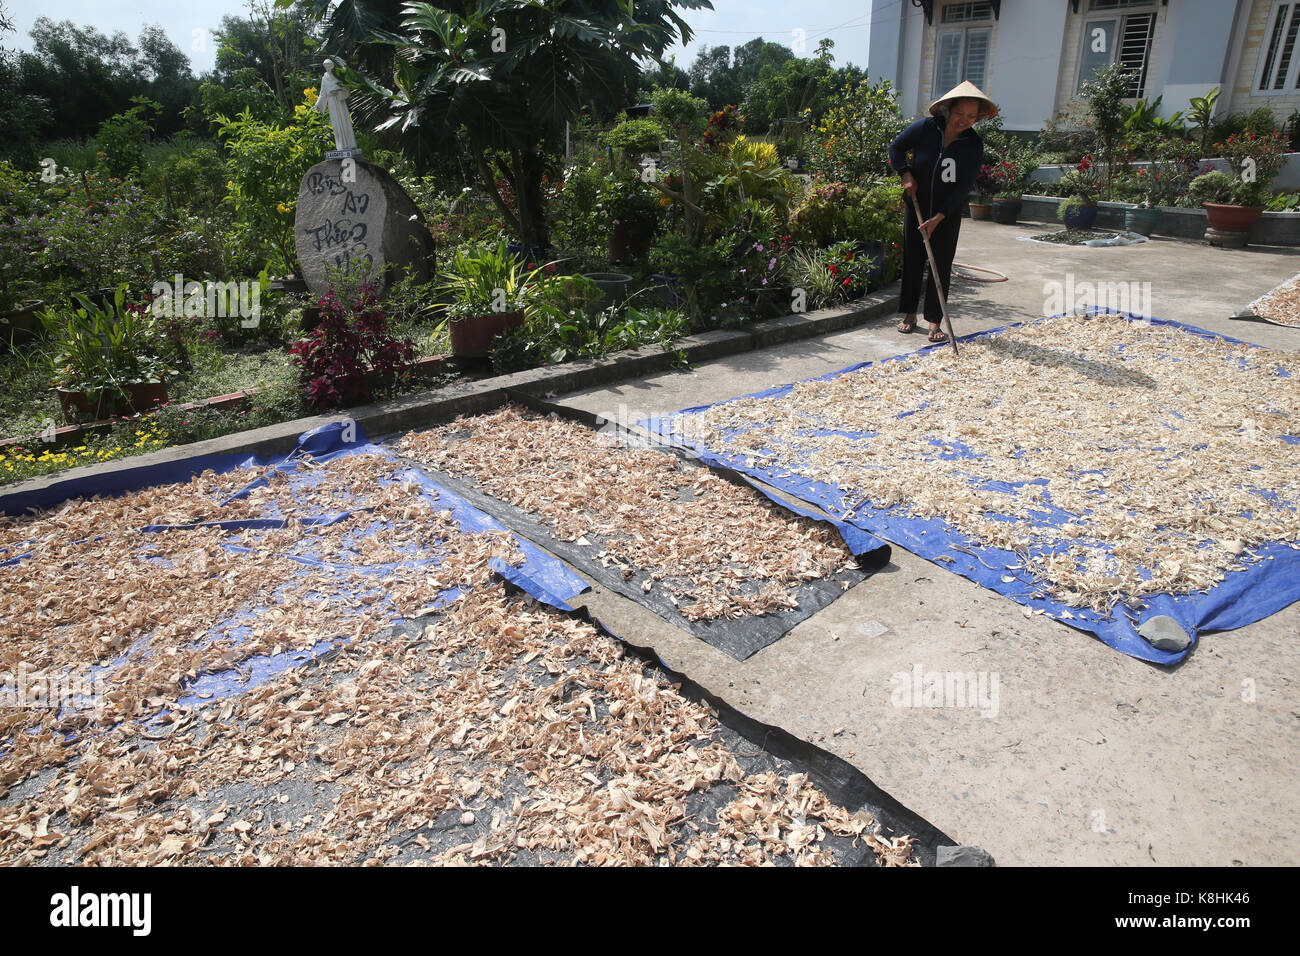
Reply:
x=703, y=539
x=161, y=609
x=1116, y=459
x=1281, y=304
x=500, y=732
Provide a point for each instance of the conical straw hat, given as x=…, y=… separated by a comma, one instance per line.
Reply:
x=966, y=90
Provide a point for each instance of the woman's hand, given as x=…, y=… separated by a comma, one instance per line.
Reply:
x=930, y=224
x=909, y=185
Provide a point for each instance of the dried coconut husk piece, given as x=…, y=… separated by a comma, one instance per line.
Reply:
x=1281, y=304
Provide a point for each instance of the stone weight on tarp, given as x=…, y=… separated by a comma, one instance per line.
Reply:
x=350, y=210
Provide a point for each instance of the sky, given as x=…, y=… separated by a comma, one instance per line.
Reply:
x=189, y=24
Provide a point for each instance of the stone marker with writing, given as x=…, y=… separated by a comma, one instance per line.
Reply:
x=351, y=211
x=352, y=214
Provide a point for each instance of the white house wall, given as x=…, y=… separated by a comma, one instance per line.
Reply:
x=1026, y=55
x=1196, y=50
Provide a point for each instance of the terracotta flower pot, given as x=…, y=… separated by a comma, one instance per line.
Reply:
x=980, y=210
x=472, y=337
x=1231, y=218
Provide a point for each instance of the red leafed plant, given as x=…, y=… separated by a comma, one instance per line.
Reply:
x=351, y=353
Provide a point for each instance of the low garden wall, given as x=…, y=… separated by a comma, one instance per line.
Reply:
x=1287, y=179
x=1273, y=228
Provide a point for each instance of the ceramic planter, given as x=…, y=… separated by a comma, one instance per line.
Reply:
x=980, y=210
x=1141, y=220
x=613, y=284
x=21, y=325
x=1081, y=217
x=1006, y=211
x=471, y=337
x=668, y=290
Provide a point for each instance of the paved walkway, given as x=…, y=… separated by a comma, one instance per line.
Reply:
x=1093, y=758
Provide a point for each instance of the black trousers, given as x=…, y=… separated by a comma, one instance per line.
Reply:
x=943, y=240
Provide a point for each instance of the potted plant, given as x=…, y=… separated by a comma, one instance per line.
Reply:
x=1167, y=178
x=1081, y=185
x=108, y=359
x=633, y=206
x=981, y=200
x=489, y=289
x=19, y=239
x=1012, y=176
x=1254, y=158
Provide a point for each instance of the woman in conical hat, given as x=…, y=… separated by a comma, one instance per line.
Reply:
x=939, y=157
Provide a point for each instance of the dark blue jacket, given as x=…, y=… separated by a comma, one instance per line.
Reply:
x=924, y=139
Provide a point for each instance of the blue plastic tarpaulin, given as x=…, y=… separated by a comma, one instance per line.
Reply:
x=1267, y=584
x=538, y=573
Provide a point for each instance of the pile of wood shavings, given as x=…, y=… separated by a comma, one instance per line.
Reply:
x=1166, y=449
x=501, y=732
x=1281, y=304
x=652, y=512
x=98, y=587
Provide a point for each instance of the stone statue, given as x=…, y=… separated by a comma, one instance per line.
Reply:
x=334, y=98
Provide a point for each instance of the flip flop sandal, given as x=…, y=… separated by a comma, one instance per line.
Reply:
x=906, y=327
x=937, y=335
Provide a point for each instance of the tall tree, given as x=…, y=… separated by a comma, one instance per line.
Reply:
x=22, y=114
x=272, y=53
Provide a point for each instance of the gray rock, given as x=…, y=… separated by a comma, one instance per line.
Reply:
x=1164, y=633
x=962, y=856
x=351, y=210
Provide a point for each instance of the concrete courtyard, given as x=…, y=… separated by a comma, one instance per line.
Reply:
x=1093, y=758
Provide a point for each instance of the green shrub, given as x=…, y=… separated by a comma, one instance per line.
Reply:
x=265, y=164
x=851, y=142
x=121, y=140
x=634, y=136
x=1215, y=187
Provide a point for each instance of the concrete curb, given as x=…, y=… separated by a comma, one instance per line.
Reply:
x=467, y=398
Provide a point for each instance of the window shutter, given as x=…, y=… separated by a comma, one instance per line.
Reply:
x=1135, y=47
x=947, y=63
x=977, y=56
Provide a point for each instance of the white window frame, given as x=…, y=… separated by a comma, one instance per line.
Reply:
x=1291, y=84
x=962, y=28
x=1118, y=14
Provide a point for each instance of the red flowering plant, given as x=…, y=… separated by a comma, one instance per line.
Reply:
x=1083, y=183
x=352, y=353
x=1254, y=159
x=986, y=186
